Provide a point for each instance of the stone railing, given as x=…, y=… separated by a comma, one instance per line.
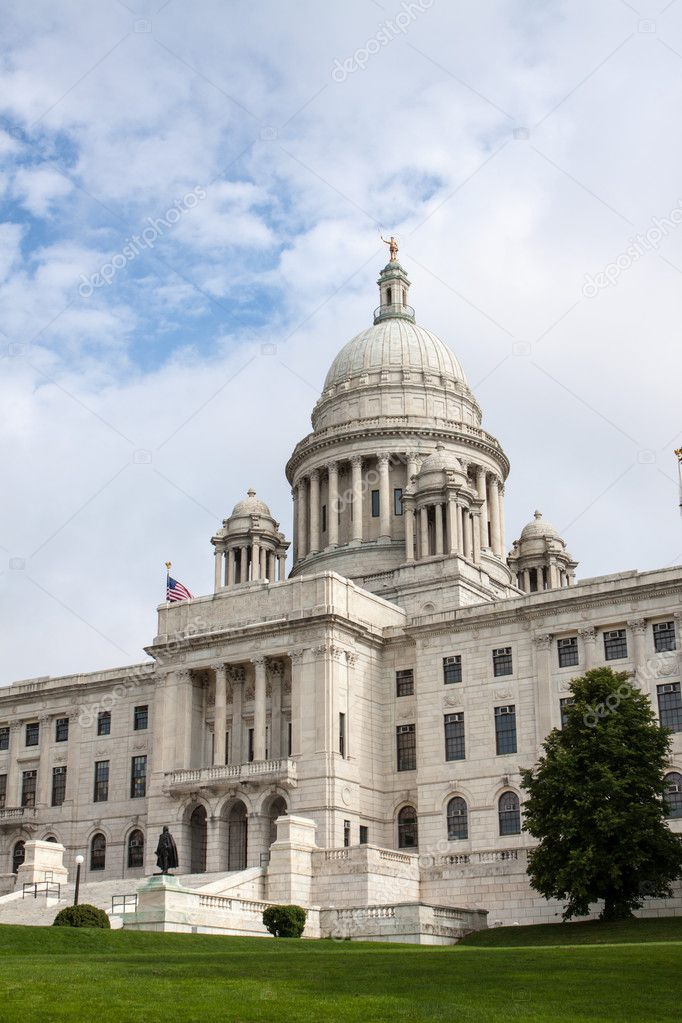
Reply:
x=484, y=856
x=283, y=771
x=16, y=813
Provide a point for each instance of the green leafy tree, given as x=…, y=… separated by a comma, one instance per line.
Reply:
x=596, y=802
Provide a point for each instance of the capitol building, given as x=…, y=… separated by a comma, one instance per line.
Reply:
x=343, y=721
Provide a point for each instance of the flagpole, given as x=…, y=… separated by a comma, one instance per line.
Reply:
x=678, y=452
x=169, y=565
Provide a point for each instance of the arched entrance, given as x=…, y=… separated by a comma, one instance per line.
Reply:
x=18, y=856
x=237, y=837
x=197, y=828
x=278, y=808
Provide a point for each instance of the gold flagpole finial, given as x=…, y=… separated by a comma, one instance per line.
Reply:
x=168, y=566
x=678, y=452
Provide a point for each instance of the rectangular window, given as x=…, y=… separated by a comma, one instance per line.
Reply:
x=227, y=747
x=568, y=651
x=3, y=791
x=342, y=734
x=61, y=731
x=670, y=706
x=141, y=718
x=324, y=518
x=364, y=834
x=505, y=729
x=138, y=777
x=28, y=788
x=289, y=738
x=4, y=738
x=101, y=793
x=250, y=744
x=615, y=645
x=502, y=661
x=58, y=785
x=398, y=501
x=104, y=722
x=346, y=833
x=406, y=743
x=375, y=504
x=452, y=669
x=404, y=682
x=568, y=701
x=33, y=734
x=664, y=637
x=454, y=736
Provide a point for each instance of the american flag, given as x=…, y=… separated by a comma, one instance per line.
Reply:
x=176, y=591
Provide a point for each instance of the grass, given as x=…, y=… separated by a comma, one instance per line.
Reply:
x=62, y=974
x=591, y=932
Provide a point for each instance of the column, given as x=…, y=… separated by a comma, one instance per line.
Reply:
x=468, y=536
x=220, y=722
x=424, y=532
x=230, y=568
x=483, y=521
x=314, y=506
x=453, y=532
x=543, y=686
x=282, y=559
x=44, y=771
x=494, y=498
x=294, y=498
x=259, y=709
x=411, y=466
x=255, y=559
x=163, y=722
x=264, y=555
x=526, y=580
x=638, y=628
x=500, y=501
x=302, y=545
x=333, y=504
x=236, y=745
x=476, y=524
x=218, y=566
x=408, y=512
x=438, y=510
x=13, y=773
x=589, y=638
x=356, y=487
x=296, y=657
x=183, y=719
x=553, y=581
x=276, y=676
x=244, y=565
x=384, y=499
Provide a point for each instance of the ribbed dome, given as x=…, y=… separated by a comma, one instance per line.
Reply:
x=394, y=343
x=439, y=461
x=538, y=528
x=251, y=506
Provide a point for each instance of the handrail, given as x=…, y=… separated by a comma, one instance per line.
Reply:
x=49, y=888
x=120, y=904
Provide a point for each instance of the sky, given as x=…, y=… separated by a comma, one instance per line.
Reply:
x=191, y=203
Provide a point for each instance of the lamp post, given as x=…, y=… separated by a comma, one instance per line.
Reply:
x=79, y=864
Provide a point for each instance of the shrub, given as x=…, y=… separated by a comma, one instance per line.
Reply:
x=285, y=921
x=81, y=916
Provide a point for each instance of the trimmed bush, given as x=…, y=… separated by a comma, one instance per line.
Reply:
x=82, y=916
x=285, y=921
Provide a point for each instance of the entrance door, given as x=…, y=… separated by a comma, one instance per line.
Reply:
x=197, y=826
x=237, y=838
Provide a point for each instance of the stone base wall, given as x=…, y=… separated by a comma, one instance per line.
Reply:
x=364, y=875
x=414, y=923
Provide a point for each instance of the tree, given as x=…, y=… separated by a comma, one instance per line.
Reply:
x=596, y=802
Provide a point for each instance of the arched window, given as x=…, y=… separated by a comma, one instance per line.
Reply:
x=458, y=822
x=18, y=856
x=278, y=808
x=135, y=849
x=198, y=837
x=50, y=838
x=98, y=852
x=408, y=837
x=673, y=793
x=509, y=814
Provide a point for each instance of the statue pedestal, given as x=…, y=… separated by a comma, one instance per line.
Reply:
x=163, y=904
x=44, y=861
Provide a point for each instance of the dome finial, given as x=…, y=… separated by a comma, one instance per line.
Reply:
x=537, y=514
x=251, y=492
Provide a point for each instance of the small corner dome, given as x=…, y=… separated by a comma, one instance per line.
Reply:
x=439, y=460
x=538, y=528
x=251, y=505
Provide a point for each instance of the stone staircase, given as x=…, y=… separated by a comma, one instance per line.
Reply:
x=40, y=911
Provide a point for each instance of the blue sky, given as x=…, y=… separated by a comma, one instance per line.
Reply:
x=515, y=149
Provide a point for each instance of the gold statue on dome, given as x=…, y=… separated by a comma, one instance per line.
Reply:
x=392, y=247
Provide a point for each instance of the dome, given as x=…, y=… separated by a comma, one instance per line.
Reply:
x=440, y=461
x=394, y=344
x=251, y=506
x=538, y=529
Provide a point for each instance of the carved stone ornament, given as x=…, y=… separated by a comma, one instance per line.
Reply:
x=503, y=694
x=452, y=700
x=565, y=686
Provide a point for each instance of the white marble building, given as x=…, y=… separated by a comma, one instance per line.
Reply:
x=389, y=689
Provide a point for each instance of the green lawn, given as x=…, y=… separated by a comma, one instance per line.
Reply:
x=110, y=976
x=593, y=932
